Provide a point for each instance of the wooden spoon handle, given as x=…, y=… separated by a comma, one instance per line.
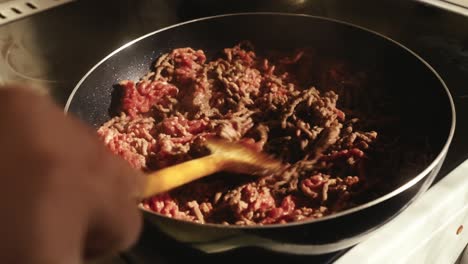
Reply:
x=171, y=177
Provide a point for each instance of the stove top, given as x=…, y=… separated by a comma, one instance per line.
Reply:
x=458, y=6
x=55, y=48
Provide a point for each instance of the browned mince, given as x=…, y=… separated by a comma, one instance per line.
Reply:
x=267, y=103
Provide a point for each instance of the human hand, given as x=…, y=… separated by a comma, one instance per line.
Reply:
x=63, y=197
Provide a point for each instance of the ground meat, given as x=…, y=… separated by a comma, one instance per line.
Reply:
x=263, y=103
x=130, y=138
x=141, y=97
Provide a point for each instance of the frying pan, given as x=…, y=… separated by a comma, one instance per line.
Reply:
x=425, y=106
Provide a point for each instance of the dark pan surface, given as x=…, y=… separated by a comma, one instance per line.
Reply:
x=424, y=102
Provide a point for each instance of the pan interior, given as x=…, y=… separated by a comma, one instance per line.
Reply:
x=395, y=75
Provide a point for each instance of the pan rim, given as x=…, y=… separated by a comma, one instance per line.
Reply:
x=438, y=159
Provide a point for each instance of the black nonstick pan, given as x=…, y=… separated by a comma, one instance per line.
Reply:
x=425, y=105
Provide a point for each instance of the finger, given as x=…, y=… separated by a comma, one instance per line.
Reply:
x=117, y=221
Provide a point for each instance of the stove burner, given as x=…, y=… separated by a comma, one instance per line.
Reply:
x=26, y=64
x=23, y=60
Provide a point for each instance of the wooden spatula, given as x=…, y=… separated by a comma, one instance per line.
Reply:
x=225, y=156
